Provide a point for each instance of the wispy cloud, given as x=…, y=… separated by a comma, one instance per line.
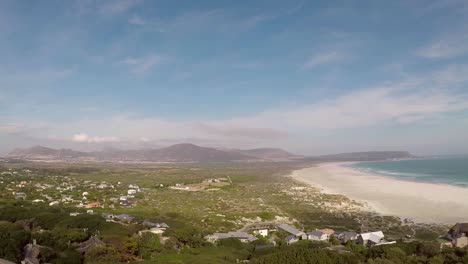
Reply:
x=115, y=7
x=447, y=46
x=213, y=20
x=143, y=64
x=324, y=59
x=410, y=101
x=105, y=8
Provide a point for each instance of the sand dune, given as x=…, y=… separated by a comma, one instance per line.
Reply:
x=423, y=202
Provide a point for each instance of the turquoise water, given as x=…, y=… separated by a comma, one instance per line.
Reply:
x=447, y=170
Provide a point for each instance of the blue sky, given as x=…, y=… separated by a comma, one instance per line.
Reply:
x=309, y=76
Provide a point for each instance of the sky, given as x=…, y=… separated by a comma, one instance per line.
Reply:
x=312, y=77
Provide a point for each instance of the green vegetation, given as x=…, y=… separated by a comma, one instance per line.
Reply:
x=251, y=194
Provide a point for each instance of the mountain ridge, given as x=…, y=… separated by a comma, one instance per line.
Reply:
x=187, y=152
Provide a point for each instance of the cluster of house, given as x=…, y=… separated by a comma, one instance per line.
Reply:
x=368, y=239
x=57, y=190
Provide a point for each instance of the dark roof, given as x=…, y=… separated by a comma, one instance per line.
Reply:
x=317, y=233
x=291, y=237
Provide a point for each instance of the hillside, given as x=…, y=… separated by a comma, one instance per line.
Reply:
x=269, y=153
x=174, y=153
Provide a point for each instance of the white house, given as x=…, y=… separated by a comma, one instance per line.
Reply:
x=53, y=203
x=262, y=232
x=317, y=235
x=131, y=191
x=373, y=239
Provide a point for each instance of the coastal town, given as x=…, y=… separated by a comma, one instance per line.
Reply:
x=122, y=205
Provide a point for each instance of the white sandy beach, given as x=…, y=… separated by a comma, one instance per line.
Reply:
x=422, y=202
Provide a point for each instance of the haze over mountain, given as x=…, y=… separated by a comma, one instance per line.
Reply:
x=190, y=153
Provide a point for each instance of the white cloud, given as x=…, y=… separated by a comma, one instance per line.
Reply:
x=410, y=102
x=323, y=59
x=143, y=64
x=83, y=137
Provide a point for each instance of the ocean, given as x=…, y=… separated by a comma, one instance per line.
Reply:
x=451, y=170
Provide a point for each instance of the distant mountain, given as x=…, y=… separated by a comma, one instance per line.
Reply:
x=40, y=152
x=363, y=156
x=193, y=153
x=174, y=153
x=269, y=154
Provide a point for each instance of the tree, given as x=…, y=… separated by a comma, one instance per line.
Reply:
x=148, y=245
x=102, y=255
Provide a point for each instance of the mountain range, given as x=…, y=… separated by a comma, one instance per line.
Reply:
x=191, y=153
x=176, y=153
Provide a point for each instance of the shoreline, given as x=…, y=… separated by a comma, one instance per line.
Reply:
x=418, y=201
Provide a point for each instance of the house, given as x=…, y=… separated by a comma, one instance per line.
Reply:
x=292, y=230
x=85, y=193
x=346, y=236
x=261, y=232
x=373, y=239
x=89, y=211
x=153, y=230
x=131, y=191
x=93, y=205
x=38, y=201
x=126, y=203
x=317, y=235
x=458, y=234
x=328, y=231
x=133, y=186
x=163, y=225
x=291, y=239
x=148, y=223
x=53, y=203
x=74, y=214
x=242, y=236
x=107, y=216
x=125, y=218
x=20, y=195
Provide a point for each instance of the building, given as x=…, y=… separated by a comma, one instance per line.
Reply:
x=131, y=191
x=328, y=231
x=291, y=239
x=346, y=236
x=458, y=234
x=292, y=230
x=20, y=195
x=125, y=218
x=317, y=235
x=261, y=232
x=373, y=239
x=242, y=236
